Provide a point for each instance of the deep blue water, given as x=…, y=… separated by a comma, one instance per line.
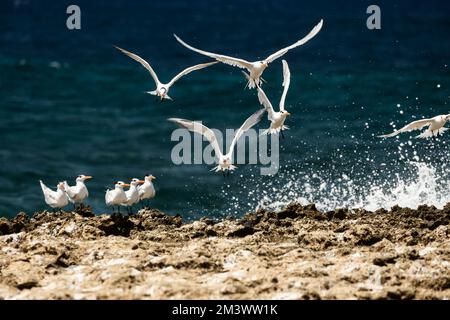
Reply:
x=70, y=103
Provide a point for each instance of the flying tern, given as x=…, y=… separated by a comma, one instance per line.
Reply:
x=277, y=118
x=225, y=160
x=435, y=127
x=255, y=68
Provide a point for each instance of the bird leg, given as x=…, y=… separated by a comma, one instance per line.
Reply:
x=282, y=134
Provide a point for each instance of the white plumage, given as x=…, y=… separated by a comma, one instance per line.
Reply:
x=79, y=192
x=147, y=190
x=256, y=68
x=132, y=194
x=162, y=89
x=435, y=127
x=55, y=199
x=277, y=118
x=116, y=196
x=225, y=161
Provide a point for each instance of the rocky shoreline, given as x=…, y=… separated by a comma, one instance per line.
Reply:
x=296, y=253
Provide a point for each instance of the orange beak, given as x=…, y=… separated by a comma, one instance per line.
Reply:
x=88, y=178
x=141, y=181
x=126, y=185
x=152, y=177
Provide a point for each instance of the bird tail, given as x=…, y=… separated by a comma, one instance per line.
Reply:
x=43, y=186
x=390, y=135
x=251, y=84
x=442, y=130
x=219, y=168
x=274, y=130
x=168, y=98
x=429, y=133
x=426, y=134
x=153, y=93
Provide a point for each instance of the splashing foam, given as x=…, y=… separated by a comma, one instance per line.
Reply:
x=424, y=185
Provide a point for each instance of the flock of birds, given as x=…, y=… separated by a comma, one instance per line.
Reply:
x=140, y=190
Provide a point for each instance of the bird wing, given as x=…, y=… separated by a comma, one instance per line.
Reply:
x=49, y=195
x=286, y=82
x=109, y=197
x=189, y=70
x=235, y=62
x=415, y=125
x=143, y=62
x=70, y=191
x=44, y=188
x=141, y=190
x=265, y=102
x=300, y=42
x=250, y=122
x=197, y=127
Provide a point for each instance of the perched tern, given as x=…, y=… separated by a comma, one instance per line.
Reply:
x=147, y=190
x=132, y=195
x=255, y=68
x=435, y=127
x=277, y=118
x=162, y=89
x=225, y=161
x=55, y=199
x=79, y=192
x=116, y=196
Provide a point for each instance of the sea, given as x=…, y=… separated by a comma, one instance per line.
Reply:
x=71, y=104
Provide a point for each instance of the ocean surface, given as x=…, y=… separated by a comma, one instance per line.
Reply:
x=71, y=104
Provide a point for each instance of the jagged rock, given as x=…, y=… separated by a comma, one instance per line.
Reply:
x=296, y=253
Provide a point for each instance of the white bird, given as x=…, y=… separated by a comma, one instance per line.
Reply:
x=435, y=127
x=277, y=118
x=132, y=194
x=147, y=190
x=162, y=89
x=55, y=199
x=116, y=196
x=225, y=161
x=255, y=68
x=79, y=192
